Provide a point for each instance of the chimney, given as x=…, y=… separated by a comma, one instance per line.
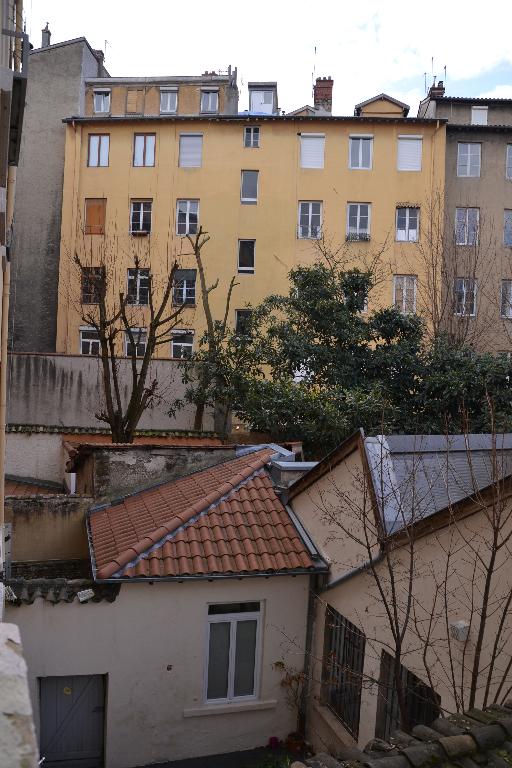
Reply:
x=436, y=91
x=322, y=94
x=45, y=37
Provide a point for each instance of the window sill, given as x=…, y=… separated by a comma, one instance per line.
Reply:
x=224, y=709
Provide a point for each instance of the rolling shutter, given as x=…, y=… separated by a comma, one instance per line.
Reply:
x=312, y=151
x=409, y=154
x=191, y=151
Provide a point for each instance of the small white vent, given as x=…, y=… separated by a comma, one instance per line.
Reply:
x=460, y=630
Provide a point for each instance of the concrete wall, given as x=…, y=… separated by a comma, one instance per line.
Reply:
x=55, y=90
x=35, y=455
x=151, y=643
x=66, y=391
x=460, y=112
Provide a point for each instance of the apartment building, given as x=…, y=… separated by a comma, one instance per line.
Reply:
x=150, y=161
x=477, y=238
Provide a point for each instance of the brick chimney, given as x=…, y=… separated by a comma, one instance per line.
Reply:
x=436, y=91
x=45, y=37
x=322, y=94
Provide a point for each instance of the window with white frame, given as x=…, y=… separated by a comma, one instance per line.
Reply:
x=140, y=217
x=98, y=150
x=261, y=101
x=312, y=148
x=101, y=100
x=479, y=115
x=506, y=299
x=191, y=150
x=404, y=293
x=144, y=149
x=168, y=100
x=252, y=136
x=209, y=101
x=358, y=221
x=508, y=162
x=466, y=226
x=89, y=341
x=468, y=159
x=410, y=149
x=232, y=668
x=249, y=187
x=136, y=345
x=507, y=228
x=246, y=255
x=187, y=217
x=360, y=152
x=182, y=343
x=407, y=223
x=464, y=296
x=138, y=286
x=310, y=220
x=184, y=287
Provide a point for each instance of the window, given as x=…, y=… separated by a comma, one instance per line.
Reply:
x=138, y=344
x=249, y=189
x=468, y=159
x=342, y=673
x=507, y=228
x=101, y=101
x=262, y=101
x=404, y=293
x=242, y=321
x=98, y=150
x=233, y=651
x=508, y=162
x=93, y=283
x=168, y=100
x=312, y=147
x=138, y=286
x=464, y=297
x=252, y=136
x=191, y=150
x=144, y=149
x=209, y=101
x=358, y=221
x=246, y=253
x=409, y=153
x=95, y=208
x=310, y=220
x=89, y=341
x=360, y=152
x=182, y=343
x=479, y=115
x=140, y=217
x=506, y=298
x=187, y=217
x=184, y=287
x=466, y=226
x=422, y=702
x=407, y=220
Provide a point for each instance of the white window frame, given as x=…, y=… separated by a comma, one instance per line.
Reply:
x=262, y=102
x=304, y=138
x=466, y=227
x=465, y=281
x=140, y=337
x=141, y=274
x=247, y=270
x=182, y=332
x=89, y=329
x=188, y=201
x=207, y=94
x=506, y=299
x=145, y=137
x=187, y=289
x=407, y=137
x=165, y=92
x=105, y=95
x=358, y=238
x=254, y=132
x=233, y=619
x=183, y=137
x=310, y=235
x=507, y=213
x=249, y=200
x=466, y=172
x=143, y=204
x=359, y=137
x=508, y=162
x=405, y=279
x=477, y=110
x=407, y=229
x=103, y=138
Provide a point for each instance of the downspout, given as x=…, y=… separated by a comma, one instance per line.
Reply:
x=3, y=407
x=302, y=715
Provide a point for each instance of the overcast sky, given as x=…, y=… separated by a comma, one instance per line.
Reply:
x=367, y=47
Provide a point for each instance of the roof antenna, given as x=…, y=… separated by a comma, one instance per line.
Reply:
x=106, y=42
x=425, y=76
x=445, y=76
x=313, y=74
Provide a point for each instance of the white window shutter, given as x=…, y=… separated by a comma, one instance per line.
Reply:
x=409, y=154
x=191, y=151
x=312, y=151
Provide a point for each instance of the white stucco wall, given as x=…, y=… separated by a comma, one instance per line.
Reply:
x=153, y=714
x=37, y=455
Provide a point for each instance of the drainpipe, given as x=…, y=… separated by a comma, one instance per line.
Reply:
x=354, y=572
x=311, y=618
x=3, y=404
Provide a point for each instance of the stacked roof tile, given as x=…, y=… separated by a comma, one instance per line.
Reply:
x=18, y=487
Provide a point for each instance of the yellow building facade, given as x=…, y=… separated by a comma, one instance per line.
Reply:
x=266, y=187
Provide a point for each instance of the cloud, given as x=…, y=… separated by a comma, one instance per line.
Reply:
x=498, y=92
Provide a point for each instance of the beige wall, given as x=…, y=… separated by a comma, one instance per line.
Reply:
x=148, y=100
x=152, y=713
x=36, y=455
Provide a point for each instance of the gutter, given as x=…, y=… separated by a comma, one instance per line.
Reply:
x=353, y=572
x=210, y=577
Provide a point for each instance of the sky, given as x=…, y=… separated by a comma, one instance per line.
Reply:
x=367, y=47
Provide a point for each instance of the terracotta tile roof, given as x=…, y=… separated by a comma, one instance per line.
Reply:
x=226, y=519
x=18, y=487
x=93, y=441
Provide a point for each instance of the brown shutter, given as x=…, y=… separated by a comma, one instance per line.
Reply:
x=134, y=101
x=95, y=216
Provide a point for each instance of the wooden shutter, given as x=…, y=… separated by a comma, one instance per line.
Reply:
x=95, y=216
x=409, y=154
x=134, y=99
x=191, y=151
x=312, y=151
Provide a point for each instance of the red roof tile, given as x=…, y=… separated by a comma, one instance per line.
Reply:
x=222, y=520
x=23, y=488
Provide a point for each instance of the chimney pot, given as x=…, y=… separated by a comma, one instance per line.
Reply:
x=45, y=37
